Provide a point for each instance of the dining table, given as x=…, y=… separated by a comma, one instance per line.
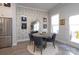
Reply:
x=43, y=35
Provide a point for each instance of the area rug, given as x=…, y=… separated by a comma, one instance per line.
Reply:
x=49, y=50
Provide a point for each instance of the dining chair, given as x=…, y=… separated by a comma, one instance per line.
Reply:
x=31, y=37
x=39, y=43
x=52, y=39
x=34, y=32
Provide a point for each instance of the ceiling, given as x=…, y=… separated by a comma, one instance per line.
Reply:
x=44, y=6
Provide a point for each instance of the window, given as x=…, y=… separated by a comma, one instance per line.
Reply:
x=55, y=23
x=74, y=28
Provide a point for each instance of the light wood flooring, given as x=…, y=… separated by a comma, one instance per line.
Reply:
x=21, y=49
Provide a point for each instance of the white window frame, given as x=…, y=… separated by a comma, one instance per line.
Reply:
x=54, y=23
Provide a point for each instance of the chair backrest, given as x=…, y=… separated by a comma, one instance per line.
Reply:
x=38, y=41
x=34, y=32
x=30, y=36
x=53, y=36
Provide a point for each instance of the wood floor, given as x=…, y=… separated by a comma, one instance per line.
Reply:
x=21, y=49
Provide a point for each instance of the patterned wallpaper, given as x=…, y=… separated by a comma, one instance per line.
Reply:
x=32, y=15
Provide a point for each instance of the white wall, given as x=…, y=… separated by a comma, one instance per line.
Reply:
x=10, y=12
x=65, y=11
x=15, y=12
x=32, y=15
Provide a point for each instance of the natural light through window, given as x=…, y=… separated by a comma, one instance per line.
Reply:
x=74, y=28
x=55, y=23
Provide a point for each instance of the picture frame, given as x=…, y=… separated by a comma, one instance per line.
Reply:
x=44, y=19
x=44, y=26
x=62, y=21
x=24, y=26
x=7, y=4
x=23, y=18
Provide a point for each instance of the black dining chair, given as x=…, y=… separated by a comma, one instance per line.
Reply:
x=31, y=37
x=51, y=39
x=34, y=32
x=39, y=43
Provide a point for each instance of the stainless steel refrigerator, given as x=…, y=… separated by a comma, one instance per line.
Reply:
x=5, y=32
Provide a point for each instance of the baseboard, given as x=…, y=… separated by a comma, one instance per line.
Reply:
x=14, y=44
